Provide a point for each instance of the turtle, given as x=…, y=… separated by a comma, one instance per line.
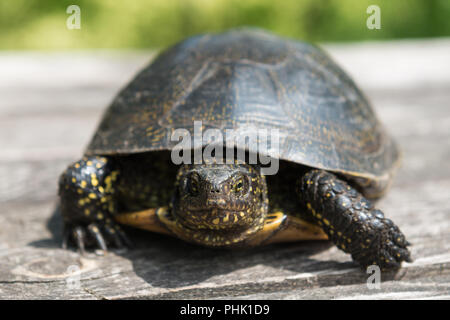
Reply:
x=335, y=158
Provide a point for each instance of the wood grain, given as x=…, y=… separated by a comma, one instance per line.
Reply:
x=50, y=105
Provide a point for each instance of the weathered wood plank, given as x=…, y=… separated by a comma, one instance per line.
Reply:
x=436, y=287
x=165, y=268
x=47, y=83
x=42, y=131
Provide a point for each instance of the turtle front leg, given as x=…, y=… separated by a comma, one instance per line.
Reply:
x=87, y=203
x=352, y=222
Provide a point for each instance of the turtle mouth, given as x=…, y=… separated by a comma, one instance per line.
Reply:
x=217, y=227
x=208, y=234
x=216, y=219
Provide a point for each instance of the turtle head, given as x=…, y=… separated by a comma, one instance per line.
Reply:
x=219, y=204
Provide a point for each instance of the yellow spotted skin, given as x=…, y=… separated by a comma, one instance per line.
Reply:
x=88, y=200
x=95, y=189
x=226, y=205
x=86, y=190
x=216, y=205
x=352, y=222
x=219, y=205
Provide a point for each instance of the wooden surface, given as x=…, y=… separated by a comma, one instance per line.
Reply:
x=50, y=104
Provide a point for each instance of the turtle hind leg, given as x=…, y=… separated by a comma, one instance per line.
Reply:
x=87, y=204
x=351, y=221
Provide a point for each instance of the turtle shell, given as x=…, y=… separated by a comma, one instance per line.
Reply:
x=248, y=79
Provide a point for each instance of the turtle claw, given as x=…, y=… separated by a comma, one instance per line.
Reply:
x=99, y=236
x=119, y=237
x=397, y=244
x=80, y=238
x=124, y=238
x=389, y=250
x=96, y=234
x=401, y=254
x=113, y=234
x=389, y=262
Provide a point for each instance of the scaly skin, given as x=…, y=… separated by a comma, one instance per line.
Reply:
x=87, y=194
x=213, y=204
x=352, y=222
x=219, y=205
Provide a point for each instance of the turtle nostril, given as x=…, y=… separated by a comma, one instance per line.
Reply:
x=214, y=190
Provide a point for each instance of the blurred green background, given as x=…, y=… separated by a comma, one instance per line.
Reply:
x=41, y=24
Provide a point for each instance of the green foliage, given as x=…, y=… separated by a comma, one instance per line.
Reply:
x=41, y=24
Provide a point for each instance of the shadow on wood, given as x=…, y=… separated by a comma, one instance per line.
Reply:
x=167, y=262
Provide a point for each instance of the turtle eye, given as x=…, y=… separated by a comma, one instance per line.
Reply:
x=192, y=184
x=239, y=185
